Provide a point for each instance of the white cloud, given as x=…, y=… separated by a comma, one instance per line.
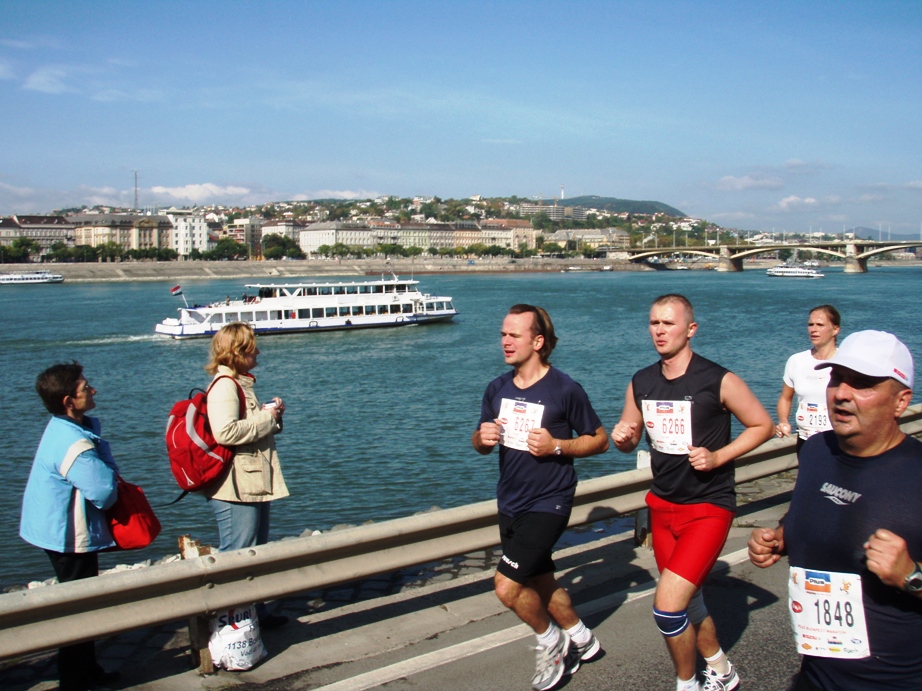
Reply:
x=753, y=181
x=6, y=71
x=795, y=203
x=48, y=80
x=914, y=185
x=200, y=193
x=11, y=191
x=340, y=194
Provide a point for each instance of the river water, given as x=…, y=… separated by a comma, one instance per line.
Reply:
x=378, y=422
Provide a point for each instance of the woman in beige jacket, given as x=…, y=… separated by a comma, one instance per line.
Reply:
x=241, y=498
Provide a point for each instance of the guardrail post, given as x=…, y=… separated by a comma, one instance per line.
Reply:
x=642, y=534
x=199, y=626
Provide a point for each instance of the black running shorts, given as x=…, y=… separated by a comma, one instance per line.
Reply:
x=527, y=541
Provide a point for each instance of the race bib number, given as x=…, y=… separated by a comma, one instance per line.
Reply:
x=827, y=613
x=812, y=417
x=516, y=419
x=668, y=425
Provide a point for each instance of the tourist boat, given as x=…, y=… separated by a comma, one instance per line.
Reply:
x=793, y=271
x=31, y=277
x=273, y=308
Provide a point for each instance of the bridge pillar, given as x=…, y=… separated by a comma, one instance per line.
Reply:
x=853, y=263
x=728, y=262
x=856, y=265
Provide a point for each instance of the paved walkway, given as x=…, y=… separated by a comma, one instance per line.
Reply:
x=356, y=621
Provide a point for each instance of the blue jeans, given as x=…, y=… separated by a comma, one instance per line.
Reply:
x=241, y=525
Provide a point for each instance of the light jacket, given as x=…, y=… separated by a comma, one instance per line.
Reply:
x=254, y=475
x=72, y=483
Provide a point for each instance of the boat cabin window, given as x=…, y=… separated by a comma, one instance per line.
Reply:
x=382, y=309
x=290, y=314
x=262, y=316
x=430, y=306
x=231, y=317
x=317, y=312
x=344, y=311
x=217, y=319
x=339, y=290
x=407, y=307
x=275, y=314
x=395, y=309
x=352, y=290
x=401, y=287
x=197, y=316
x=378, y=289
x=330, y=312
x=365, y=289
x=304, y=314
x=325, y=290
x=357, y=310
x=266, y=293
x=389, y=288
x=310, y=291
x=246, y=316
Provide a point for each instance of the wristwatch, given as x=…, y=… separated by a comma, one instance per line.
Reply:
x=558, y=451
x=913, y=582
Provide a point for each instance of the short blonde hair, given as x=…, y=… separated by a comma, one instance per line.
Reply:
x=230, y=346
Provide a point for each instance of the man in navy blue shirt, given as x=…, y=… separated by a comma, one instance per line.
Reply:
x=853, y=535
x=541, y=420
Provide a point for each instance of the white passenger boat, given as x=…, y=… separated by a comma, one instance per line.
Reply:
x=31, y=277
x=292, y=307
x=793, y=271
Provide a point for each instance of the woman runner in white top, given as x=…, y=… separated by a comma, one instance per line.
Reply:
x=804, y=388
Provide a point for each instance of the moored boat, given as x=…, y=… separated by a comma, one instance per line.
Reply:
x=301, y=307
x=794, y=271
x=27, y=277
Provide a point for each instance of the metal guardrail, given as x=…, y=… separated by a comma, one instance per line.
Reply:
x=44, y=618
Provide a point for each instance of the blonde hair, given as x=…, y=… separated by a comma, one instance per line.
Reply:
x=230, y=346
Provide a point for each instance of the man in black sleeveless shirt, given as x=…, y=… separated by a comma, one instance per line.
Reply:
x=854, y=519
x=683, y=405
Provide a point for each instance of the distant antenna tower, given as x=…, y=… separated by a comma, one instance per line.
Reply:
x=136, y=190
x=562, y=195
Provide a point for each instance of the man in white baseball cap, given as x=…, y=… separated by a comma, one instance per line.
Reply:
x=853, y=533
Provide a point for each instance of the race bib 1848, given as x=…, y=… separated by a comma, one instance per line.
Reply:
x=827, y=613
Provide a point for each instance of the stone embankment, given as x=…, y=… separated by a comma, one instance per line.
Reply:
x=282, y=270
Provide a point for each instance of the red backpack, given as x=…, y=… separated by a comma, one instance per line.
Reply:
x=196, y=458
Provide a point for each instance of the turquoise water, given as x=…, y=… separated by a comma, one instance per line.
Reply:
x=378, y=422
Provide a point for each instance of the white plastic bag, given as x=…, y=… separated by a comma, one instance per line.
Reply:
x=235, y=643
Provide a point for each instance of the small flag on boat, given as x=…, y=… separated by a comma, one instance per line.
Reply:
x=176, y=291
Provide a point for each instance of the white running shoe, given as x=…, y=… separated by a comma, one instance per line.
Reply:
x=717, y=682
x=582, y=653
x=550, y=664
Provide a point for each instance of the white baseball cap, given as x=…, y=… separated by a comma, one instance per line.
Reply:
x=875, y=354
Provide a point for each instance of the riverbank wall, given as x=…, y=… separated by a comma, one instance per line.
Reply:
x=181, y=271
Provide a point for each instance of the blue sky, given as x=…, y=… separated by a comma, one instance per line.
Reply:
x=784, y=115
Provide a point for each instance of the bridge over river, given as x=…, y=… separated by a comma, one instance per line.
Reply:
x=730, y=257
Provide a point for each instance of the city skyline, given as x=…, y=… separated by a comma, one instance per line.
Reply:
x=785, y=117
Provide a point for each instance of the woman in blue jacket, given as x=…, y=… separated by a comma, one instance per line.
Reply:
x=72, y=483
